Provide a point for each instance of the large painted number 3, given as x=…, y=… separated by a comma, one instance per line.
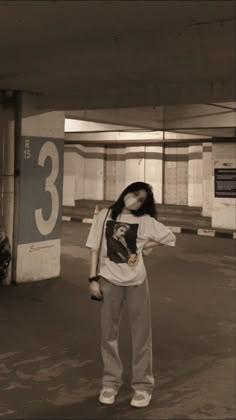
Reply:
x=45, y=227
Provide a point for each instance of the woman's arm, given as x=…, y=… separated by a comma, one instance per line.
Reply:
x=93, y=242
x=94, y=286
x=93, y=262
x=160, y=233
x=148, y=248
x=151, y=244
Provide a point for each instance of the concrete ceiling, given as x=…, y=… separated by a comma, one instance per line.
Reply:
x=103, y=54
x=81, y=56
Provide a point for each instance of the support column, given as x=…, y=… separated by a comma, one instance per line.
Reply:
x=94, y=173
x=7, y=139
x=39, y=211
x=153, y=172
x=80, y=157
x=207, y=181
x=114, y=171
x=69, y=176
x=134, y=167
x=195, y=176
x=74, y=169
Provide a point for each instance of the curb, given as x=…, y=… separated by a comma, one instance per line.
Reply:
x=175, y=229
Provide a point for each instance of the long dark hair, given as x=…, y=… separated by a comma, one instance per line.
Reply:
x=148, y=207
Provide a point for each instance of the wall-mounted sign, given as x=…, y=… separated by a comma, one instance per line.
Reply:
x=225, y=182
x=40, y=189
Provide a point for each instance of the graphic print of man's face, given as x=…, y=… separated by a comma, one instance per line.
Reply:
x=121, y=242
x=120, y=231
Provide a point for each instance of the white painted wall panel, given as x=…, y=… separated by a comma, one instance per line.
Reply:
x=94, y=174
x=120, y=173
x=68, y=190
x=134, y=170
x=182, y=176
x=69, y=178
x=80, y=173
x=170, y=168
x=195, y=176
x=207, y=181
x=153, y=170
x=38, y=261
x=224, y=209
x=176, y=175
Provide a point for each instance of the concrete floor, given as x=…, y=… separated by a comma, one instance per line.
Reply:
x=50, y=366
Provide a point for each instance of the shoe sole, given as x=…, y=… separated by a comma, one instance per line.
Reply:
x=107, y=401
x=140, y=404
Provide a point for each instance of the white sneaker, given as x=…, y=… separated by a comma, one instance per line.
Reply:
x=107, y=395
x=141, y=399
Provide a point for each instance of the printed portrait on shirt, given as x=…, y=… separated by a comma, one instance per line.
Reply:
x=122, y=242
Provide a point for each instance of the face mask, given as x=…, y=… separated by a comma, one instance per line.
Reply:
x=132, y=202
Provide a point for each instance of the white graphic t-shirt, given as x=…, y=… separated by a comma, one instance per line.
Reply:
x=121, y=259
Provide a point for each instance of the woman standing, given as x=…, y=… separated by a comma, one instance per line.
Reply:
x=124, y=281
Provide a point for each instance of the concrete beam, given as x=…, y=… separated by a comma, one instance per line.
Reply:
x=198, y=116
x=75, y=125
x=128, y=137
x=158, y=93
x=200, y=119
x=221, y=133
x=149, y=117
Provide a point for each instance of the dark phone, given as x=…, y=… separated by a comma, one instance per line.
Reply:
x=95, y=298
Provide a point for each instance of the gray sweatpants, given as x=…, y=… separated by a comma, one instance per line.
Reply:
x=137, y=300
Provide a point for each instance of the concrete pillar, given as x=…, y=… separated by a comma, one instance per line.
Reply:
x=195, y=176
x=80, y=171
x=114, y=175
x=207, y=180
x=153, y=170
x=170, y=175
x=176, y=175
x=120, y=170
x=182, y=175
x=134, y=168
x=110, y=174
x=94, y=173
x=224, y=207
x=74, y=168
x=69, y=176
x=7, y=138
x=39, y=203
